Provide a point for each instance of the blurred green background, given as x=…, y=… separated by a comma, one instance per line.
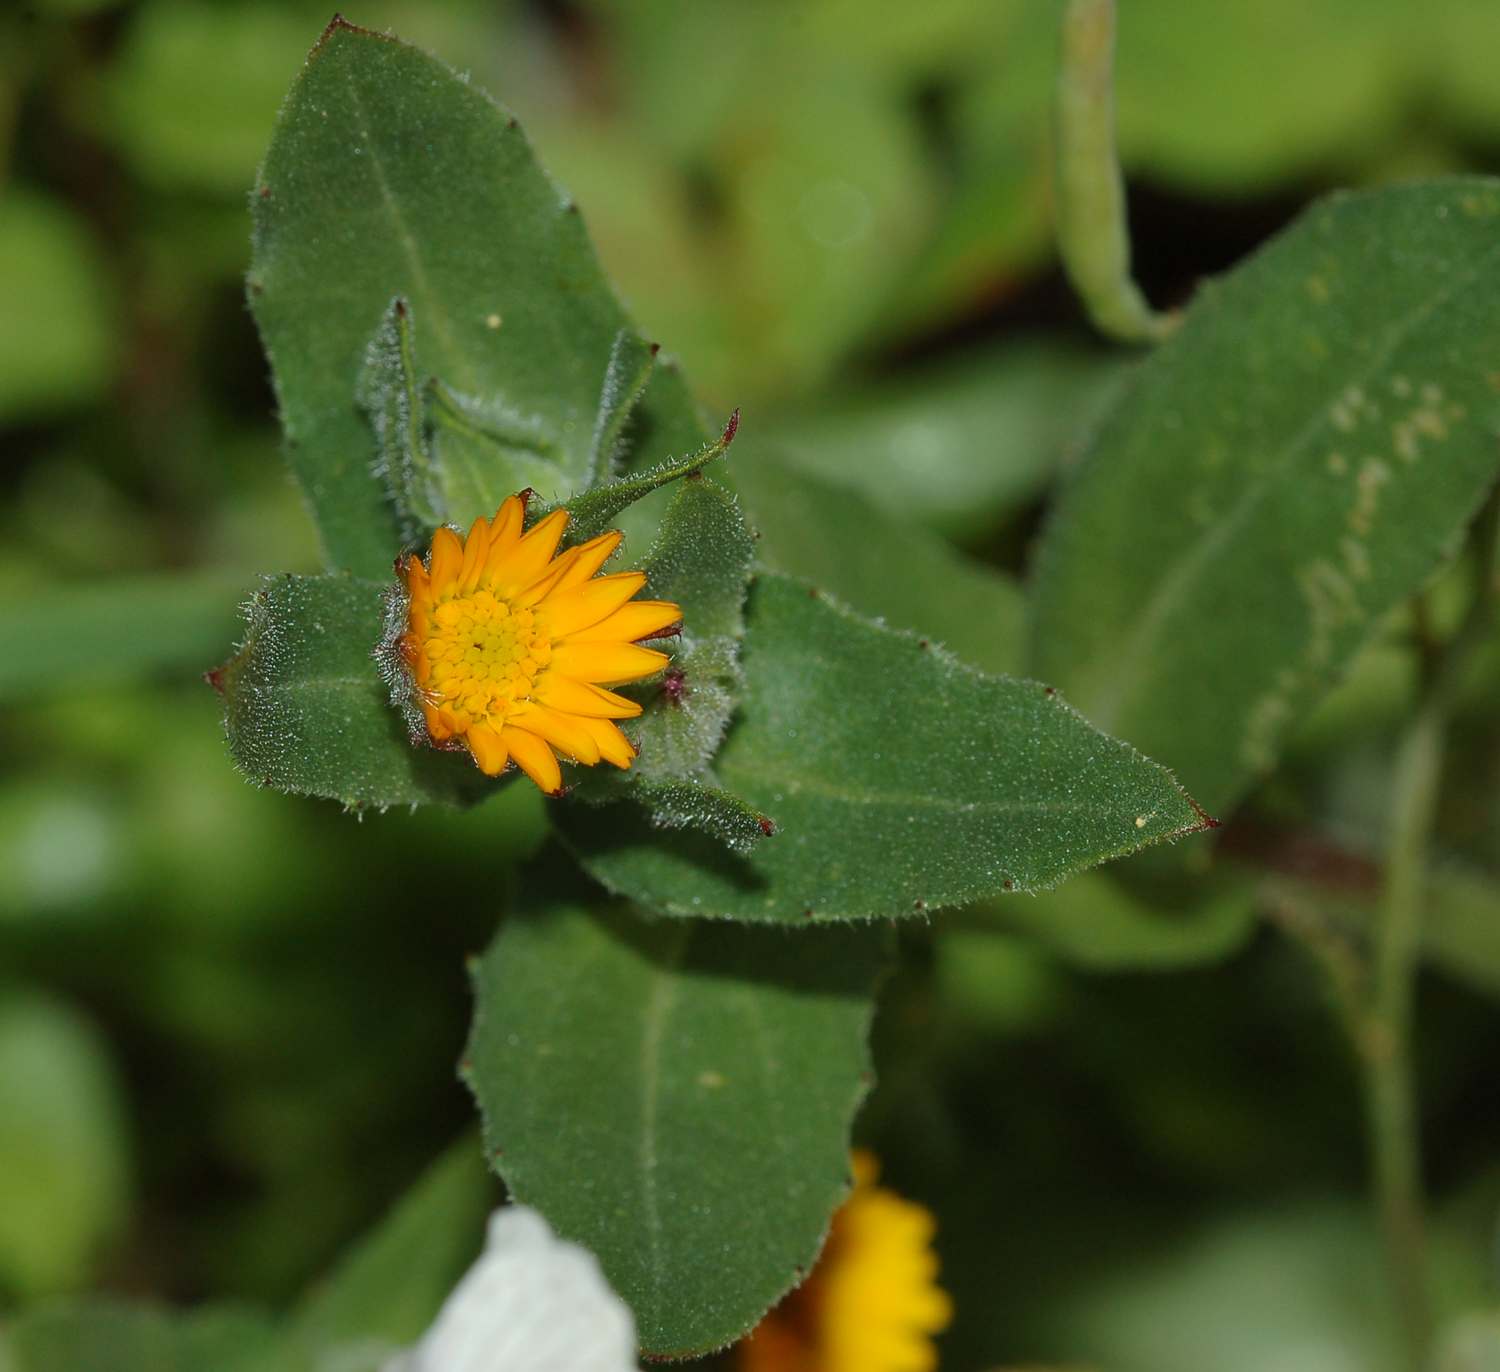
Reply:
x=229, y=1019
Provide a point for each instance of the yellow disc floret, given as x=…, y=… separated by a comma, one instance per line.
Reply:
x=511, y=644
x=872, y=1302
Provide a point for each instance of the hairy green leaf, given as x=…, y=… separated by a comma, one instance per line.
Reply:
x=1296, y=461
x=898, y=779
x=391, y=177
x=306, y=710
x=701, y=1076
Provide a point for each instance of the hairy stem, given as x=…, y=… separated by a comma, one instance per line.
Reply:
x=1092, y=233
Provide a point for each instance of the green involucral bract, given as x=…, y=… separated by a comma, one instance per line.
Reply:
x=306, y=710
x=1298, y=460
x=673, y=1094
x=701, y=561
x=899, y=781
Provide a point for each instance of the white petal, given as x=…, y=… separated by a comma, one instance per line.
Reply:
x=532, y=1303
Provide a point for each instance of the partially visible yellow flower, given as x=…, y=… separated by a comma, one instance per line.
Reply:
x=872, y=1303
x=510, y=645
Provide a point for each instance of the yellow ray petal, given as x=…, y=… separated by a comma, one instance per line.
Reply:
x=505, y=535
x=529, y=558
x=505, y=528
x=591, y=557
x=543, y=586
x=446, y=562
x=606, y=662
x=585, y=606
x=612, y=744
x=534, y=758
x=476, y=550
x=637, y=620
x=487, y=747
x=580, y=698
x=566, y=733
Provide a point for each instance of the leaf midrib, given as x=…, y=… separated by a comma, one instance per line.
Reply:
x=659, y=1003
x=433, y=313
x=734, y=770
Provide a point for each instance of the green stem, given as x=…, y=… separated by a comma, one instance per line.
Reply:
x=1385, y=1043
x=1092, y=232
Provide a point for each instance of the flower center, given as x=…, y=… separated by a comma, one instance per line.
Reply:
x=485, y=656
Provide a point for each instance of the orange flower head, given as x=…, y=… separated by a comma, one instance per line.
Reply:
x=872, y=1302
x=507, y=646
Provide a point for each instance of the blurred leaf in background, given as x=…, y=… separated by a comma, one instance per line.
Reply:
x=59, y=346
x=65, y=1170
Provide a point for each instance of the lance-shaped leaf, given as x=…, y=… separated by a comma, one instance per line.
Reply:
x=899, y=779
x=306, y=710
x=701, y=1076
x=1296, y=461
x=389, y=177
